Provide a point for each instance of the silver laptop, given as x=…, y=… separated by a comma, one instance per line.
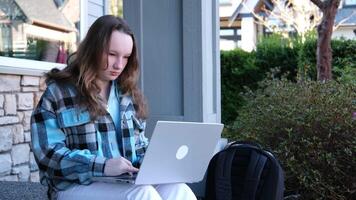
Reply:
x=179, y=152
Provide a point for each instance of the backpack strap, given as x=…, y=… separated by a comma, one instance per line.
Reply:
x=244, y=143
x=210, y=179
x=254, y=171
x=223, y=174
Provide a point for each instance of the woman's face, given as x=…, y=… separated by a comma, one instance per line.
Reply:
x=119, y=51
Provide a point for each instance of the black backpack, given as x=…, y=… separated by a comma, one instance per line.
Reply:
x=244, y=171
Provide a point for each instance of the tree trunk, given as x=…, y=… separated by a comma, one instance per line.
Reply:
x=325, y=30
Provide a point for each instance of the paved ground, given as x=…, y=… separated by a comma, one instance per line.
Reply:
x=10, y=190
x=22, y=191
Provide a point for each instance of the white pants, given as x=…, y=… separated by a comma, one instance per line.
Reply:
x=111, y=191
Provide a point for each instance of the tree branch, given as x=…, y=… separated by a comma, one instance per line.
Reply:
x=301, y=16
x=268, y=5
x=318, y=3
x=259, y=18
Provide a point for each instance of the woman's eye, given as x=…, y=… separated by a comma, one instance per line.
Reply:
x=112, y=54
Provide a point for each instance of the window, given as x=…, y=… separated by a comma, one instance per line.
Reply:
x=350, y=2
x=225, y=32
x=39, y=30
x=233, y=34
x=225, y=1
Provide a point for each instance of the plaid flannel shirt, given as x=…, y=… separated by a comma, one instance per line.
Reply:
x=65, y=139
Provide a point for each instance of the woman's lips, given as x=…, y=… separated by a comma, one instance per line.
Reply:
x=114, y=73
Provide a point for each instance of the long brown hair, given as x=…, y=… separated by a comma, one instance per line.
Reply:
x=83, y=66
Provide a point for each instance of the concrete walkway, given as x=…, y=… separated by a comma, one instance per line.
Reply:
x=22, y=190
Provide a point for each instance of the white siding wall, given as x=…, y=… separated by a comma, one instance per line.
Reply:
x=90, y=10
x=248, y=33
x=345, y=32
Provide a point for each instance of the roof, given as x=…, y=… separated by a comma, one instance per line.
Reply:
x=346, y=14
x=235, y=14
x=45, y=13
x=256, y=6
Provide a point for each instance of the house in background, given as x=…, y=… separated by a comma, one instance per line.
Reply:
x=230, y=31
x=238, y=27
x=346, y=20
x=34, y=29
x=237, y=22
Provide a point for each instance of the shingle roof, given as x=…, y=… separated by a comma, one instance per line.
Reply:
x=343, y=14
x=44, y=12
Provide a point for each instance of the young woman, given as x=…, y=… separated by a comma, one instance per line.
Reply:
x=90, y=121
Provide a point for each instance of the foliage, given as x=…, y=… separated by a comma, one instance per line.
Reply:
x=307, y=57
x=116, y=8
x=344, y=56
x=35, y=47
x=309, y=125
x=241, y=69
x=275, y=51
x=347, y=75
x=238, y=69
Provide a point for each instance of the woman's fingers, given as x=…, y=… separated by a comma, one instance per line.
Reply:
x=131, y=168
x=126, y=161
x=117, y=166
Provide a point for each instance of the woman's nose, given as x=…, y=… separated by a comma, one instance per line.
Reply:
x=118, y=64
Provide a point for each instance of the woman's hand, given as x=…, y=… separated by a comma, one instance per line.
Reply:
x=118, y=166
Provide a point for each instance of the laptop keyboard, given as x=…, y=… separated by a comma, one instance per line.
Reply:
x=127, y=176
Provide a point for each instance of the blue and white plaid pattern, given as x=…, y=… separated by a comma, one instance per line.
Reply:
x=65, y=139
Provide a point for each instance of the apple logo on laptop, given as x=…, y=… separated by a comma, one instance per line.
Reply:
x=182, y=152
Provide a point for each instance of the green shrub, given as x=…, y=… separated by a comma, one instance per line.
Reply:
x=343, y=52
x=344, y=57
x=237, y=70
x=241, y=69
x=347, y=75
x=275, y=51
x=310, y=127
x=307, y=58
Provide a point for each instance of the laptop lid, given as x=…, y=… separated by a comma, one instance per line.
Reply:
x=179, y=152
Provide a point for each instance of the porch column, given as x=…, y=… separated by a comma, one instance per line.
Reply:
x=179, y=54
x=248, y=33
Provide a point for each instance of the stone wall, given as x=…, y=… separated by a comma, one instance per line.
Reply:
x=18, y=96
